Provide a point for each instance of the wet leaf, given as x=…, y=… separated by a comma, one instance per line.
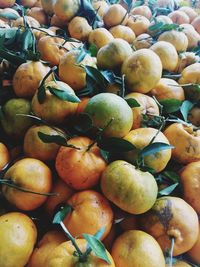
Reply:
x=170, y=105
x=93, y=50
x=60, y=216
x=96, y=76
x=114, y=144
x=185, y=108
x=168, y=190
x=132, y=103
x=41, y=93
x=105, y=155
x=154, y=148
x=64, y=95
x=27, y=39
x=56, y=139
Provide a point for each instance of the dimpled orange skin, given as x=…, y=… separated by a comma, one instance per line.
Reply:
x=31, y=174
x=4, y=156
x=27, y=78
x=90, y=212
x=18, y=237
x=79, y=168
x=186, y=142
x=63, y=256
x=172, y=217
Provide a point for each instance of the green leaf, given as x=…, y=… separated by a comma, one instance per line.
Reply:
x=168, y=190
x=60, y=215
x=41, y=93
x=63, y=95
x=9, y=15
x=56, y=139
x=27, y=39
x=114, y=144
x=96, y=76
x=132, y=103
x=9, y=33
x=100, y=233
x=97, y=247
x=185, y=108
x=105, y=155
x=170, y=105
x=93, y=50
x=156, y=26
x=172, y=176
x=82, y=54
x=154, y=148
x=83, y=123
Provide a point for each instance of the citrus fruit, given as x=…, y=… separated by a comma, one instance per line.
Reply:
x=194, y=251
x=79, y=28
x=115, y=15
x=4, y=156
x=139, y=24
x=100, y=37
x=66, y=9
x=123, y=32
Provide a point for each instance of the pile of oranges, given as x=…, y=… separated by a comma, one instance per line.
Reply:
x=99, y=133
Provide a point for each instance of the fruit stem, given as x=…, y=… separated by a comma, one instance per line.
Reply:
x=11, y=184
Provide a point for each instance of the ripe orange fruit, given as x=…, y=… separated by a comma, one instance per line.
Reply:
x=63, y=255
x=90, y=212
x=179, y=264
x=123, y=32
x=79, y=28
x=190, y=180
x=179, y=17
x=44, y=248
x=115, y=15
x=186, y=142
x=194, y=116
x=100, y=7
x=192, y=35
x=4, y=156
x=27, y=78
x=64, y=193
x=47, y=5
x=18, y=237
x=168, y=89
x=190, y=74
x=118, y=50
x=143, y=40
x=142, y=70
x=142, y=10
x=30, y=20
x=66, y=9
x=195, y=23
x=7, y=3
x=129, y=188
x=80, y=168
x=100, y=37
x=191, y=12
x=53, y=109
x=137, y=248
x=31, y=174
x=107, y=109
x=57, y=22
x=194, y=251
x=148, y=106
x=172, y=217
x=34, y=147
x=140, y=138
x=139, y=24
x=82, y=104
x=38, y=14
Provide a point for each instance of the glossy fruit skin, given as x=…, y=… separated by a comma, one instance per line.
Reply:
x=130, y=189
x=80, y=168
x=85, y=205
x=108, y=108
x=137, y=248
x=18, y=237
x=63, y=255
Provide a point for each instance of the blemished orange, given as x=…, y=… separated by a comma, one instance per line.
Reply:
x=90, y=212
x=63, y=255
x=137, y=248
x=190, y=181
x=123, y=32
x=100, y=37
x=142, y=10
x=172, y=217
x=79, y=28
x=44, y=248
x=31, y=174
x=80, y=167
x=139, y=24
x=66, y=9
x=179, y=17
x=18, y=237
x=4, y=156
x=63, y=191
x=115, y=15
x=191, y=12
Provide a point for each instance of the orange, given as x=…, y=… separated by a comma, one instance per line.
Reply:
x=80, y=168
x=139, y=24
x=30, y=20
x=47, y=5
x=167, y=54
x=18, y=237
x=137, y=248
x=82, y=104
x=164, y=19
x=179, y=17
x=196, y=24
x=39, y=34
x=143, y=40
x=66, y=9
x=64, y=193
x=79, y=28
x=176, y=38
x=108, y=241
x=52, y=49
x=100, y=7
x=63, y=255
x=191, y=12
x=142, y=10
x=115, y=15
x=110, y=111
x=28, y=3
x=8, y=3
x=186, y=142
x=140, y=138
x=38, y=14
x=118, y=50
x=27, y=78
x=53, y=109
x=190, y=74
x=56, y=21
x=168, y=89
x=31, y=174
x=90, y=212
x=190, y=181
x=192, y=35
x=129, y=188
x=100, y=37
x=34, y=147
x=4, y=156
x=142, y=70
x=172, y=217
x=72, y=72
x=194, y=116
x=148, y=106
x=44, y=248
x=123, y=32
x=179, y=264
x=186, y=59
x=194, y=251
